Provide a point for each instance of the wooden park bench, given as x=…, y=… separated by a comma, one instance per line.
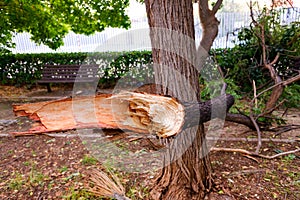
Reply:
x=68, y=74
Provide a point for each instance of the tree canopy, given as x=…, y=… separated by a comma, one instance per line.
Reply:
x=48, y=21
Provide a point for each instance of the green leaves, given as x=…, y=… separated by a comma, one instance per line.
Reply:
x=48, y=21
x=243, y=63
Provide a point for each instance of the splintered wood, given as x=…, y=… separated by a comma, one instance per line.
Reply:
x=139, y=112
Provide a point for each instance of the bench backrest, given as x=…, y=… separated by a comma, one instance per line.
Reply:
x=69, y=73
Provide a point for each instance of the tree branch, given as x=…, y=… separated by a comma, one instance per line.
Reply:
x=284, y=83
x=203, y=9
x=209, y=24
x=271, y=110
x=201, y=112
x=217, y=6
x=275, y=59
x=259, y=143
x=252, y=14
x=243, y=151
x=240, y=119
x=291, y=80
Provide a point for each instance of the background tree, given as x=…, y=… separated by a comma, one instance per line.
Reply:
x=257, y=46
x=264, y=67
x=48, y=21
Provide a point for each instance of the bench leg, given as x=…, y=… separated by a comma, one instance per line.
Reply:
x=49, y=87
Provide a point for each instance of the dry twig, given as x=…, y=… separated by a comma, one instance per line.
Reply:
x=249, y=153
x=284, y=129
x=251, y=115
x=105, y=186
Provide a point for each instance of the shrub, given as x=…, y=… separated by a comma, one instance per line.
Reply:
x=20, y=69
x=244, y=63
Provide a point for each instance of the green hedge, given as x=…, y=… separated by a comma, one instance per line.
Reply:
x=21, y=69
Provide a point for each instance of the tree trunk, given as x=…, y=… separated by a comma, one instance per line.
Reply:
x=186, y=173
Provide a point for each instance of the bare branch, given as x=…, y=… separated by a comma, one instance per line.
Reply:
x=270, y=110
x=255, y=94
x=259, y=143
x=264, y=48
x=291, y=80
x=284, y=83
x=223, y=90
x=217, y=6
x=243, y=151
x=275, y=59
x=287, y=128
x=252, y=14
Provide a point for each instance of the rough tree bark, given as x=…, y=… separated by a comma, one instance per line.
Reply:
x=187, y=172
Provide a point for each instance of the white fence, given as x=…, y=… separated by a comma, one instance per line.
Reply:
x=229, y=24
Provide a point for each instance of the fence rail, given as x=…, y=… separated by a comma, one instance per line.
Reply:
x=229, y=24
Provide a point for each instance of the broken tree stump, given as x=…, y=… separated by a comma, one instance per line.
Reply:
x=138, y=112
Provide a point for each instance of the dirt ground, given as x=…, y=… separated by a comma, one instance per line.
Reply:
x=57, y=166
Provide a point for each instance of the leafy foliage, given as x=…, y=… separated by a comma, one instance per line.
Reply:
x=48, y=21
x=292, y=96
x=243, y=63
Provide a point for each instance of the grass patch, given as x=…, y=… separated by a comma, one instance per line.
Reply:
x=17, y=182
x=36, y=178
x=79, y=194
x=136, y=193
x=89, y=160
x=63, y=169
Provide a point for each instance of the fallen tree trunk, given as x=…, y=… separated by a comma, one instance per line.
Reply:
x=139, y=112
